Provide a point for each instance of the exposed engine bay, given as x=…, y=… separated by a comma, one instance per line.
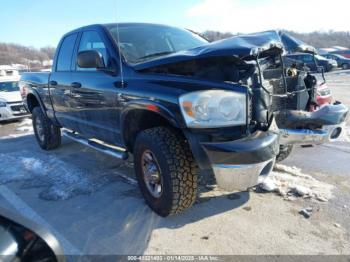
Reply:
x=289, y=97
x=279, y=88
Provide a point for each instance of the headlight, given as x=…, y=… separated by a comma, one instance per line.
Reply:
x=2, y=103
x=213, y=108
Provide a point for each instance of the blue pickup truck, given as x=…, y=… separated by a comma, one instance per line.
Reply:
x=175, y=102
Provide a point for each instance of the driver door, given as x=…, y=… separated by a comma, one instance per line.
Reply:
x=94, y=96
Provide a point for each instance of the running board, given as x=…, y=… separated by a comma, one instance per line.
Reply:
x=98, y=145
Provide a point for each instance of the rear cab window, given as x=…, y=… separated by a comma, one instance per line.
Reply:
x=65, y=54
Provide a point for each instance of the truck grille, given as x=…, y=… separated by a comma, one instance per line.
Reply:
x=296, y=102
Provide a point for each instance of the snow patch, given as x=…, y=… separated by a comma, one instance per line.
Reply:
x=25, y=126
x=345, y=135
x=290, y=182
x=25, y=122
x=25, y=129
x=32, y=164
x=58, y=179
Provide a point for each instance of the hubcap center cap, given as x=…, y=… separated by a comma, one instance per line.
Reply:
x=151, y=174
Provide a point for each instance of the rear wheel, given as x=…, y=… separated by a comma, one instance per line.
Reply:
x=345, y=66
x=285, y=151
x=166, y=170
x=47, y=135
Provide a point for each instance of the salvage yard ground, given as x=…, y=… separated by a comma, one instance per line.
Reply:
x=91, y=203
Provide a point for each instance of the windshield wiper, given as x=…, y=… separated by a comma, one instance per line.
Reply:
x=156, y=54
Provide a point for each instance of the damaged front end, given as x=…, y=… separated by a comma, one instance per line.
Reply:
x=239, y=156
x=302, y=113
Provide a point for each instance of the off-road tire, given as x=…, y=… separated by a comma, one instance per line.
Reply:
x=52, y=133
x=285, y=151
x=178, y=170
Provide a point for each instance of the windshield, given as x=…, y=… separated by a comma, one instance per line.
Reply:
x=9, y=86
x=144, y=42
x=320, y=57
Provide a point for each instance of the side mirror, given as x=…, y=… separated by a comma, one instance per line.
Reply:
x=90, y=59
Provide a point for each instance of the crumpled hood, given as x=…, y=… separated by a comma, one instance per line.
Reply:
x=293, y=45
x=243, y=46
x=11, y=96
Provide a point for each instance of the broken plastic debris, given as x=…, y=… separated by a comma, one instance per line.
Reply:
x=305, y=213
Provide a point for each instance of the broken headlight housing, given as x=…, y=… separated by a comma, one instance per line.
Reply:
x=213, y=108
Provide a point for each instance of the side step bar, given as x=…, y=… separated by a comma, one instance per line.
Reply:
x=98, y=145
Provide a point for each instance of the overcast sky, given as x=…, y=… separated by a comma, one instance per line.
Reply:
x=42, y=22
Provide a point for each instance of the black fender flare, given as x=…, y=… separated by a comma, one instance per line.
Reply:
x=150, y=106
x=37, y=96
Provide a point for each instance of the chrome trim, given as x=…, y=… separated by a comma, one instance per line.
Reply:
x=308, y=136
x=241, y=177
x=101, y=147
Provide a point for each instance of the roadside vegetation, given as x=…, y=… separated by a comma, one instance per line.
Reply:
x=316, y=39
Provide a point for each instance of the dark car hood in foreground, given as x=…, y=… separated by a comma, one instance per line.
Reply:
x=243, y=47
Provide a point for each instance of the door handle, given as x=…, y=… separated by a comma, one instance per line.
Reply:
x=53, y=83
x=75, y=85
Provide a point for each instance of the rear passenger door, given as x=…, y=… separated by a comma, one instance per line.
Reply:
x=60, y=82
x=94, y=94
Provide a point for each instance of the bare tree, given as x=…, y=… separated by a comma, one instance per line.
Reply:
x=18, y=54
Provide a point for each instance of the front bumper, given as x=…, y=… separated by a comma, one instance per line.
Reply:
x=13, y=111
x=238, y=164
x=240, y=177
x=328, y=133
x=321, y=126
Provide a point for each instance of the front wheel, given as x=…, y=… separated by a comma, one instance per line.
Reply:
x=47, y=135
x=166, y=170
x=285, y=151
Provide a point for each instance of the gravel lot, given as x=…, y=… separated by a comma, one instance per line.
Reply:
x=92, y=205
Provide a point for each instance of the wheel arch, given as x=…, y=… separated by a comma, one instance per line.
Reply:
x=142, y=115
x=33, y=100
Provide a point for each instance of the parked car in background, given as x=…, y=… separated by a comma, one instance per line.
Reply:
x=11, y=104
x=342, y=61
x=343, y=53
x=312, y=62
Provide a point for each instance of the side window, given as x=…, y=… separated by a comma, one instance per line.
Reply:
x=308, y=58
x=64, y=58
x=90, y=40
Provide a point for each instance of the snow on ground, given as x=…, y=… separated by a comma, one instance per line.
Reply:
x=25, y=126
x=22, y=128
x=348, y=133
x=58, y=180
x=290, y=182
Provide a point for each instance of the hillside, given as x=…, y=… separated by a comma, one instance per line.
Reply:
x=316, y=39
x=19, y=54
